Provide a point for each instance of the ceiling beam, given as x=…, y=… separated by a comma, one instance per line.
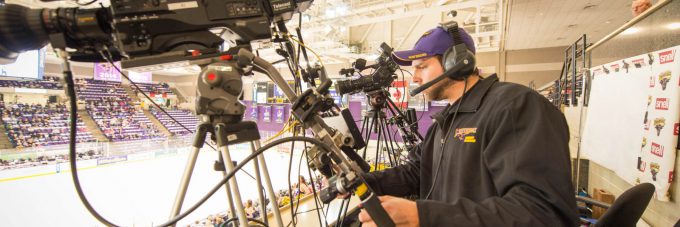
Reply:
x=408, y=32
x=430, y=10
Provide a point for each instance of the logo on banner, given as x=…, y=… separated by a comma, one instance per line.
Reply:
x=625, y=65
x=615, y=67
x=597, y=72
x=654, y=168
x=606, y=71
x=664, y=78
x=667, y=56
x=661, y=104
x=670, y=176
x=652, y=81
x=676, y=129
x=638, y=63
x=659, y=123
x=657, y=149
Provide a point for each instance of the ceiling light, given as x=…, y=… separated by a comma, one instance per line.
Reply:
x=673, y=26
x=630, y=31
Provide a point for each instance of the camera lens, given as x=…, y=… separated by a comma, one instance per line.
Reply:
x=21, y=29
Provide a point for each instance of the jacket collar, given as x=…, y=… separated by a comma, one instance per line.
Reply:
x=471, y=99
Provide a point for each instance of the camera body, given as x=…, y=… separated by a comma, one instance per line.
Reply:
x=141, y=28
x=382, y=77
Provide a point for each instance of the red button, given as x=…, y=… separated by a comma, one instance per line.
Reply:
x=211, y=76
x=226, y=57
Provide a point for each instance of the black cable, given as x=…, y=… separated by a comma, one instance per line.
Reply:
x=109, y=59
x=71, y=92
x=70, y=88
x=316, y=201
x=268, y=146
x=446, y=136
x=85, y=4
x=290, y=187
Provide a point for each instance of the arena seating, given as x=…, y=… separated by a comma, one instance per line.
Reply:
x=109, y=106
x=37, y=125
x=46, y=83
x=184, y=117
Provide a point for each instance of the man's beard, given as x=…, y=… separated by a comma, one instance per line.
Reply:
x=437, y=91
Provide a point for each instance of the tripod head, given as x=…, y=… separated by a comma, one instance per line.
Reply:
x=377, y=99
x=218, y=89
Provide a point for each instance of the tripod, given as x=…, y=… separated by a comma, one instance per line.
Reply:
x=227, y=133
x=376, y=122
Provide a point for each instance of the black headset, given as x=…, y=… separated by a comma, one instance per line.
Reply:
x=458, y=61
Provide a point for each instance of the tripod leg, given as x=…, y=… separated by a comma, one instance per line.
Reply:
x=263, y=204
x=199, y=137
x=229, y=167
x=268, y=185
x=378, y=154
x=369, y=126
x=394, y=153
x=387, y=141
x=227, y=189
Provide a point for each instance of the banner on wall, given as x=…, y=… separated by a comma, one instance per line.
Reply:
x=279, y=112
x=106, y=71
x=638, y=97
x=253, y=112
x=399, y=93
x=143, y=77
x=267, y=113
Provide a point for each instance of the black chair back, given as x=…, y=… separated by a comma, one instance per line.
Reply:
x=628, y=208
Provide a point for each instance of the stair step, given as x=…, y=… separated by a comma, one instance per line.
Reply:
x=157, y=123
x=92, y=126
x=4, y=139
x=179, y=95
x=131, y=92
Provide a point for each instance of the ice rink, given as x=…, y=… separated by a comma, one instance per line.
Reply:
x=132, y=193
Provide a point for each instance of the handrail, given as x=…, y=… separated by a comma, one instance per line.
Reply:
x=630, y=23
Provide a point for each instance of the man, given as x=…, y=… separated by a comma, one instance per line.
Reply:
x=504, y=160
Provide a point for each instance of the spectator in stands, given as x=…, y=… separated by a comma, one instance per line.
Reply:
x=250, y=209
x=639, y=6
x=304, y=187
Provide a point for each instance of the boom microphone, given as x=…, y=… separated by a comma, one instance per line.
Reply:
x=448, y=74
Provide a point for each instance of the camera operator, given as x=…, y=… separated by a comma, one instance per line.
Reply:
x=504, y=160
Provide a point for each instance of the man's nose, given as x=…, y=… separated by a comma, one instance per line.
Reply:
x=416, y=78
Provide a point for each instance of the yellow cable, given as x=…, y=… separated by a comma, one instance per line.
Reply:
x=310, y=49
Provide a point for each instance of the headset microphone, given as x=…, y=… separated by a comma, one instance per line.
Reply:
x=447, y=74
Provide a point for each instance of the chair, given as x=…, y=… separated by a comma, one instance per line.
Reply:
x=627, y=209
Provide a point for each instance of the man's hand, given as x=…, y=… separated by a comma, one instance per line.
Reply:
x=402, y=211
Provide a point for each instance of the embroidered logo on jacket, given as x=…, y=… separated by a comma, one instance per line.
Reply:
x=467, y=135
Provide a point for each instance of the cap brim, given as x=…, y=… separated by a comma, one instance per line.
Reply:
x=404, y=58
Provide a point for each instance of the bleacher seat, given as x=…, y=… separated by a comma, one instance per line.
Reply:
x=38, y=125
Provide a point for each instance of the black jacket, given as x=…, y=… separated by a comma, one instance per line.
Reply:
x=505, y=163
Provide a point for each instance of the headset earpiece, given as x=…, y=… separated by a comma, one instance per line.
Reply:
x=457, y=56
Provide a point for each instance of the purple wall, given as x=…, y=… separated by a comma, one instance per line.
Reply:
x=354, y=107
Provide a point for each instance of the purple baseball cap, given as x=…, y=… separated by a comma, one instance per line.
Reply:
x=433, y=42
